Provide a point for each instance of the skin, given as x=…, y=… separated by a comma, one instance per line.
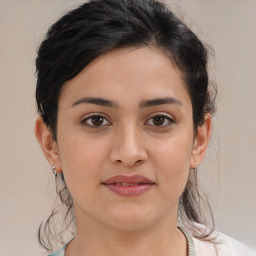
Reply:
x=127, y=142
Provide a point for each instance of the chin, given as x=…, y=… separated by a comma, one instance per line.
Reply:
x=131, y=219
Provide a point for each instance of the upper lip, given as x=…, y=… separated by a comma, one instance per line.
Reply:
x=128, y=179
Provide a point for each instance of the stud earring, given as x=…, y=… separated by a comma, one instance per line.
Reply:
x=54, y=170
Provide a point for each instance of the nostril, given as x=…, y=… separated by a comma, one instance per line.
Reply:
x=130, y=163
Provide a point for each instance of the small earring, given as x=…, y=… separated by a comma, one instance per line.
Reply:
x=195, y=174
x=195, y=169
x=54, y=170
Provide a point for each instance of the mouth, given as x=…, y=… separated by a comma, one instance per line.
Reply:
x=128, y=185
x=128, y=180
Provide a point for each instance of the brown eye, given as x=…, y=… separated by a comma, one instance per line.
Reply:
x=96, y=121
x=160, y=120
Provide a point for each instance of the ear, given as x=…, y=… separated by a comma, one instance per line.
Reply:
x=201, y=142
x=48, y=145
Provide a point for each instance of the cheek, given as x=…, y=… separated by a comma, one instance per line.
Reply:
x=172, y=163
x=81, y=161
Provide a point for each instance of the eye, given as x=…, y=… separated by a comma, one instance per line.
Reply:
x=96, y=121
x=160, y=120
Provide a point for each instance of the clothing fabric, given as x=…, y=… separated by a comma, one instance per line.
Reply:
x=60, y=252
x=225, y=246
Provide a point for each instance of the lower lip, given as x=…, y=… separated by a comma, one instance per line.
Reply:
x=129, y=190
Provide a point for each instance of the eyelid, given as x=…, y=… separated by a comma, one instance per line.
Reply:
x=168, y=117
x=91, y=115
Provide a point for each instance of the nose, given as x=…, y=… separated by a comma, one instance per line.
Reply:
x=129, y=148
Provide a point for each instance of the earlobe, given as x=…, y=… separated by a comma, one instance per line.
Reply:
x=201, y=141
x=48, y=145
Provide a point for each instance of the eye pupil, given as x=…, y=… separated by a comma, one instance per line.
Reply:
x=97, y=120
x=158, y=120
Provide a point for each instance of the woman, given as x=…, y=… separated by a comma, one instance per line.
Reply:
x=125, y=118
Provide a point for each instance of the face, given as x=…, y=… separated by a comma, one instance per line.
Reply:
x=127, y=113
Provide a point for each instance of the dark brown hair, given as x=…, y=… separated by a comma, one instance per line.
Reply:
x=99, y=26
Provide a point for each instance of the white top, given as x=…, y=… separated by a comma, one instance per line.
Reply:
x=227, y=247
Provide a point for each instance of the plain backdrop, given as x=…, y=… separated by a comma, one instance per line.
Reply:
x=227, y=175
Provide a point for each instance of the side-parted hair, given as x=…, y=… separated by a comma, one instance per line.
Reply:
x=100, y=26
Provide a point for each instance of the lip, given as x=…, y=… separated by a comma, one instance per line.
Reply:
x=128, y=185
x=128, y=179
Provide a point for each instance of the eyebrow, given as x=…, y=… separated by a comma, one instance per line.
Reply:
x=159, y=101
x=96, y=101
x=112, y=104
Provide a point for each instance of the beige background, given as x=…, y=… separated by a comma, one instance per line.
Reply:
x=228, y=173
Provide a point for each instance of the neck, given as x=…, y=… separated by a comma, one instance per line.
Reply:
x=163, y=238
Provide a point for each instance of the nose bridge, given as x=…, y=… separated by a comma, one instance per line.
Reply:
x=129, y=138
x=129, y=147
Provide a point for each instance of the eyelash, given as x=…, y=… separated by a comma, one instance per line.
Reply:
x=85, y=121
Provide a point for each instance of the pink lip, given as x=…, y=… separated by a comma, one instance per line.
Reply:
x=128, y=179
x=143, y=184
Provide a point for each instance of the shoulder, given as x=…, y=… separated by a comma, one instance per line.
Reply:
x=225, y=246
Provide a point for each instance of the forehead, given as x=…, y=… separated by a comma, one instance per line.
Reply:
x=125, y=74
